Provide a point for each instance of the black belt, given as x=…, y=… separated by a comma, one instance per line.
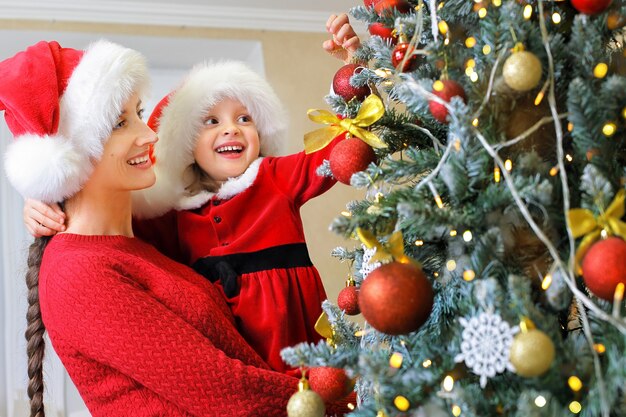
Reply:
x=228, y=268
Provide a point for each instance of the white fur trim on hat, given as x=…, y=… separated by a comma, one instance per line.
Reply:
x=182, y=120
x=55, y=167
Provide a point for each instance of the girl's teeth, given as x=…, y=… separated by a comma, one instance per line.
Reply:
x=229, y=148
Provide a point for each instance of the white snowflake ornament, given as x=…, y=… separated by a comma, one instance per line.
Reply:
x=486, y=344
x=366, y=266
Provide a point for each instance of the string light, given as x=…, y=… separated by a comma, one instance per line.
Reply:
x=609, y=129
x=440, y=6
x=443, y=27
x=482, y=12
x=618, y=296
x=471, y=63
x=469, y=71
x=448, y=383
x=419, y=242
x=383, y=72
x=599, y=347
x=600, y=70
x=470, y=42
x=395, y=361
x=624, y=112
x=401, y=403
x=473, y=77
x=556, y=18
x=508, y=165
x=528, y=11
x=547, y=281
x=350, y=406
x=496, y=173
x=438, y=86
x=575, y=383
x=346, y=214
x=475, y=122
x=456, y=410
x=457, y=145
x=540, y=401
x=486, y=50
x=451, y=265
x=469, y=275
x=496, y=3
x=575, y=407
x=427, y=363
x=453, y=232
x=467, y=236
x=539, y=98
x=553, y=171
x=435, y=274
x=570, y=125
x=439, y=201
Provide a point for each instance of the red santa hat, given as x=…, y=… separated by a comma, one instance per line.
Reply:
x=179, y=118
x=61, y=105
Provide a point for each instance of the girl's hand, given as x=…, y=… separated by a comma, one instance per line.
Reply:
x=42, y=219
x=345, y=41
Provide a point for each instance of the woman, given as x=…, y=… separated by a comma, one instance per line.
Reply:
x=138, y=333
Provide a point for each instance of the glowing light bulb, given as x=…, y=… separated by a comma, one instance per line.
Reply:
x=452, y=232
x=528, y=11
x=395, y=361
x=508, y=165
x=486, y=50
x=600, y=70
x=470, y=42
x=443, y=27
x=401, y=403
x=451, y=265
x=469, y=275
x=419, y=242
x=547, y=281
x=427, y=363
x=575, y=407
x=467, y=236
x=609, y=129
x=475, y=122
x=482, y=12
x=456, y=410
x=574, y=383
x=438, y=86
x=556, y=18
x=540, y=401
x=448, y=383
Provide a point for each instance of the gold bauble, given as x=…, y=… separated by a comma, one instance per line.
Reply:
x=532, y=353
x=306, y=403
x=522, y=71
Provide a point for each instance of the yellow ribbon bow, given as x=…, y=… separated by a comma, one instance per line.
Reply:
x=371, y=110
x=325, y=329
x=393, y=250
x=584, y=223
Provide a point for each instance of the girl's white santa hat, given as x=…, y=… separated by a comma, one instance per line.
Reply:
x=61, y=105
x=179, y=118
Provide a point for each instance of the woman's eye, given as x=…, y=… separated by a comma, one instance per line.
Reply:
x=140, y=113
x=120, y=124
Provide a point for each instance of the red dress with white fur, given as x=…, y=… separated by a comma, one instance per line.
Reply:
x=258, y=213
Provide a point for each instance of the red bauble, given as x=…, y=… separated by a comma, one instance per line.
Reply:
x=350, y=156
x=591, y=6
x=385, y=7
x=331, y=384
x=342, y=86
x=370, y=3
x=378, y=29
x=348, y=300
x=396, y=298
x=398, y=54
x=604, y=266
x=450, y=89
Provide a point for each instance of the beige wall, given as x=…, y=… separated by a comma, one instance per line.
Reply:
x=301, y=73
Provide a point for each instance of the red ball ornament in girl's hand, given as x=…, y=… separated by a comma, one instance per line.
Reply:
x=386, y=7
x=402, y=50
x=331, y=384
x=396, y=298
x=444, y=89
x=349, y=156
x=342, y=86
x=591, y=7
x=604, y=266
x=348, y=300
x=387, y=33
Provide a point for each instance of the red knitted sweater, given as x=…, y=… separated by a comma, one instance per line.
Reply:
x=142, y=335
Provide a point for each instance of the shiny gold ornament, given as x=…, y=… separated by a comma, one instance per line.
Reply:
x=522, y=71
x=305, y=403
x=532, y=353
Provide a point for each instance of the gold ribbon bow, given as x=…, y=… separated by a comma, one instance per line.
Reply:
x=371, y=110
x=584, y=223
x=325, y=329
x=394, y=249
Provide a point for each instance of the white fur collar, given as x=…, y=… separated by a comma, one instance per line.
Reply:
x=234, y=186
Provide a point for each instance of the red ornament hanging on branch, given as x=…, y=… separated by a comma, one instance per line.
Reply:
x=404, y=52
x=591, y=7
x=604, y=267
x=342, y=86
x=386, y=7
x=387, y=33
x=396, y=298
x=348, y=299
x=444, y=89
x=348, y=157
x=331, y=384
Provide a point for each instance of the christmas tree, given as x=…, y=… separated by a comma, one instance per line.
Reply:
x=488, y=257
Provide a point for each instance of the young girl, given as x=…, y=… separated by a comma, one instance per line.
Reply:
x=139, y=334
x=236, y=217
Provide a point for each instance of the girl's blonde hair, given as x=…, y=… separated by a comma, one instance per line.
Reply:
x=198, y=180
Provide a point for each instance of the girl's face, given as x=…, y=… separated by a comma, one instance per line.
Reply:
x=126, y=164
x=229, y=141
